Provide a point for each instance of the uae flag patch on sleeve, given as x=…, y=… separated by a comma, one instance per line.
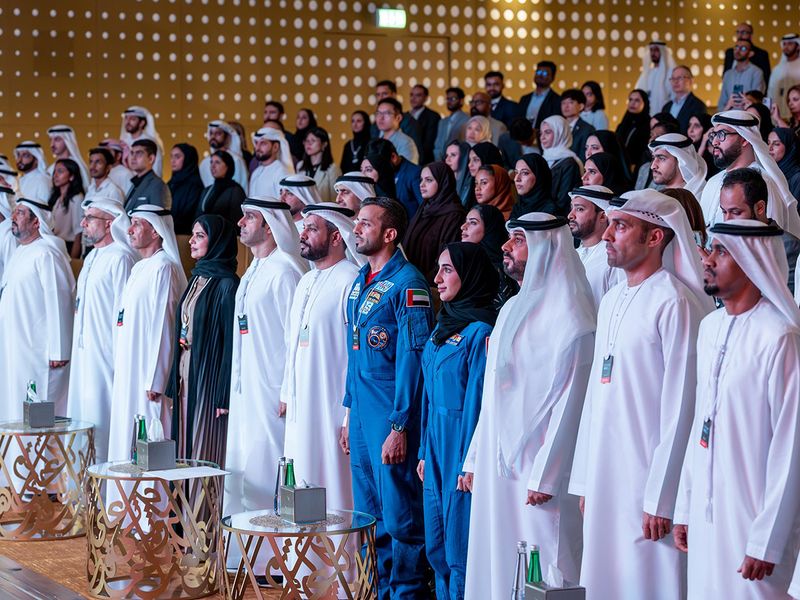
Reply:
x=418, y=297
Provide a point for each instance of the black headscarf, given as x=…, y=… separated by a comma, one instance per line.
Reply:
x=220, y=259
x=608, y=140
x=495, y=233
x=385, y=185
x=633, y=131
x=186, y=187
x=296, y=143
x=609, y=166
x=790, y=163
x=705, y=122
x=473, y=302
x=463, y=178
x=540, y=198
x=764, y=119
x=488, y=153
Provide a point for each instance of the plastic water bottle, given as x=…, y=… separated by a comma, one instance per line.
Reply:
x=520, y=572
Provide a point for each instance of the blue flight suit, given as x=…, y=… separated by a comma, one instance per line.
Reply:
x=451, y=404
x=391, y=321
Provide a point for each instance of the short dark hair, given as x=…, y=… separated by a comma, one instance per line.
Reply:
x=497, y=74
x=756, y=95
x=520, y=129
x=752, y=182
x=105, y=153
x=687, y=69
x=387, y=83
x=548, y=64
x=667, y=121
x=574, y=94
x=423, y=88
x=381, y=146
x=394, y=214
x=276, y=104
x=148, y=145
x=278, y=123
x=395, y=104
x=457, y=91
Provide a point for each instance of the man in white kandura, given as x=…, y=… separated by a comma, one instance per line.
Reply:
x=263, y=302
x=533, y=393
x=222, y=136
x=271, y=150
x=676, y=164
x=314, y=378
x=34, y=181
x=105, y=271
x=8, y=243
x=64, y=144
x=139, y=124
x=657, y=65
x=638, y=408
x=588, y=222
x=740, y=486
x=144, y=325
x=36, y=298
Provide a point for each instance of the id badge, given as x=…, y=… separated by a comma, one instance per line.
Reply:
x=183, y=341
x=605, y=373
x=706, y=433
x=356, y=342
x=304, y=337
x=120, y=317
x=243, y=324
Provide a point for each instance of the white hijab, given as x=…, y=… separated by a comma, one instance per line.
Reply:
x=562, y=141
x=692, y=167
x=758, y=250
x=554, y=291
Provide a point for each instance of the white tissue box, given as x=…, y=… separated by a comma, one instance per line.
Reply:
x=542, y=591
x=155, y=456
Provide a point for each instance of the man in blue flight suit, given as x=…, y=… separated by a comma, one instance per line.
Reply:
x=390, y=315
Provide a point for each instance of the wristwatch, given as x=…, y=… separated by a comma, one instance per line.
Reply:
x=398, y=428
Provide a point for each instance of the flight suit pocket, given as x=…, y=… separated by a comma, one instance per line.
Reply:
x=418, y=329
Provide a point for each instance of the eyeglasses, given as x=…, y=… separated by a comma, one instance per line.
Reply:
x=679, y=77
x=95, y=218
x=742, y=48
x=720, y=135
x=385, y=113
x=453, y=98
x=542, y=72
x=474, y=102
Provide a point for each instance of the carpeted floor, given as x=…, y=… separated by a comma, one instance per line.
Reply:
x=65, y=562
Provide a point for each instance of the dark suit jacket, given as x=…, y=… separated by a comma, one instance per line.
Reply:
x=429, y=124
x=760, y=59
x=551, y=106
x=580, y=133
x=406, y=180
x=506, y=111
x=691, y=107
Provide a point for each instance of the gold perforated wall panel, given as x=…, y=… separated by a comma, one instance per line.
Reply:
x=189, y=61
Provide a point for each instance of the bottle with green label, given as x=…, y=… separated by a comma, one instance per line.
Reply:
x=534, y=566
x=290, y=481
x=142, y=434
x=30, y=392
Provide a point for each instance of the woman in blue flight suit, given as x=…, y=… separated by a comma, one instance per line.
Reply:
x=453, y=364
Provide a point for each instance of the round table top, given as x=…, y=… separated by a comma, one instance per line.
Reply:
x=343, y=521
x=124, y=469
x=63, y=426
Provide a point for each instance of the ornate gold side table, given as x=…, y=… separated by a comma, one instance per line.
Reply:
x=151, y=538
x=333, y=559
x=41, y=474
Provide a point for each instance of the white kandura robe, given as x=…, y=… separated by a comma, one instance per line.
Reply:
x=314, y=381
x=601, y=277
x=756, y=456
x=143, y=349
x=633, y=437
x=255, y=431
x=240, y=170
x=500, y=516
x=100, y=284
x=36, y=302
x=265, y=181
x=8, y=243
x=121, y=176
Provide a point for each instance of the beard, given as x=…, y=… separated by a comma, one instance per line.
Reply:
x=261, y=157
x=314, y=253
x=368, y=248
x=727, y=157
x=215, y=145
x=516, y=269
